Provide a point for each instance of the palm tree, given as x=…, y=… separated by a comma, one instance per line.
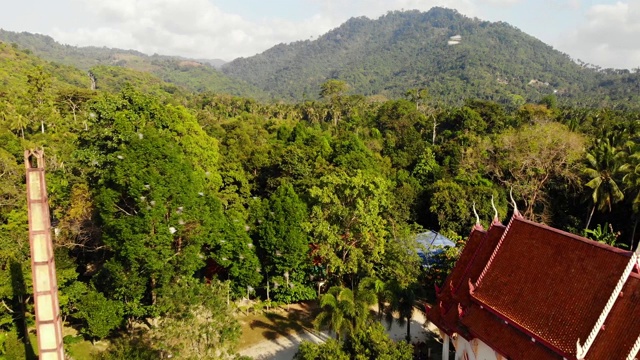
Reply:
x=631, y=179
x=345, y=311
x=403, y=301
x=602, y=170
x=338, y=308
x=377, y=287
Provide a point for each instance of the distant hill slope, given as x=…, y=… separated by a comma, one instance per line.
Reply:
x=193, y=75
x=413, y=49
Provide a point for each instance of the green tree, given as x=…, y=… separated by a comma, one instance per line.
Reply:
x=333, y=91
x=283, y=242
x=99, y=314
x=531, y=157
x=197, y=322
x=403, y=300
x=153, y=172
x=373, y=343
x=344, y=311
x=347, y=221
x=329, y=350
x=601, y=171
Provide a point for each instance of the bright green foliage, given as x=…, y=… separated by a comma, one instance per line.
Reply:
x=601, y=171
x=297, y=288
x=198, y=323
x=150, y=192
x=604, y=234
x=372, y=343
x=338, y=311
x=330, y=350
x=347, y=221
x=99, y=314
x=11, y=346
x=345, y=312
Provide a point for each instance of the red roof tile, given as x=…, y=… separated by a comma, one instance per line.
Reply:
x=505, y=339
x=481, y=257
x=458, y=274
x=549, y=283
x=622, y=327
x=447, y=321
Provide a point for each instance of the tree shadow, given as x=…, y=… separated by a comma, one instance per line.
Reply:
x=295, y=320
x=20, y=308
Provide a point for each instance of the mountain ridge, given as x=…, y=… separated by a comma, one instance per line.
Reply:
x=195, y=75
x=387, y=56
x=411, y=49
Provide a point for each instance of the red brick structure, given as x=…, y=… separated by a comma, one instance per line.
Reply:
x=45, y=288
x=529, y=291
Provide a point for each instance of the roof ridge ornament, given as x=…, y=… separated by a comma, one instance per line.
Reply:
x=477, y=226
x=515, y=205
x=496, y=218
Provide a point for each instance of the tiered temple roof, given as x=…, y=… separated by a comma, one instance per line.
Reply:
x=530, y=291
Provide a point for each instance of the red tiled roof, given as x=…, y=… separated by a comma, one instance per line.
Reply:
x=475, y=267
x=436, y=316
x=622, y=326
x=505, y=339
x=448, y=321
x=549, y=283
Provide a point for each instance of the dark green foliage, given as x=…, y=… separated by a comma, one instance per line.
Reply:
x=371, y=343
x=283, y=242
x=99, y=314
x=164, y=71
x=134, y=348
x=408, y=50
x=155, y=192
x=330, y=350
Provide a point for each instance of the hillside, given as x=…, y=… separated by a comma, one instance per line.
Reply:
x=194, y=75
x=413, y=49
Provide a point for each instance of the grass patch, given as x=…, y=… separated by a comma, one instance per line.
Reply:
x=276, y=323
x=82, y=350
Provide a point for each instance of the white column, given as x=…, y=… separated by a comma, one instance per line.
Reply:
x=445, y=348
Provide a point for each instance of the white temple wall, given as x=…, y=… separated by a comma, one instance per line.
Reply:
x=474, y=350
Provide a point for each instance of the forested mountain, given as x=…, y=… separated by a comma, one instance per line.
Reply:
x=451, y=55
x=194, y=75
x=412, y=49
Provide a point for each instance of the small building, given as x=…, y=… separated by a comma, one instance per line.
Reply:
x=431, y=243
x=531, y=292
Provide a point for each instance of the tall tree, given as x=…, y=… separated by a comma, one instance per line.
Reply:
x=602, y=173
x=333, y=90
x=283, y=243
x=347, y=221
x=530, y=157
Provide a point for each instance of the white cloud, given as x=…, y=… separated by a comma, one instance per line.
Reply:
x=194, y=28
x=501, y=2
x=199, y=29
x=609, y=36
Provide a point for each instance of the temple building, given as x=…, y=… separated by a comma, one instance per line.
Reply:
x=531, y=292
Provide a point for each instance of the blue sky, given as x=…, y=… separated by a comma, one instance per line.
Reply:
x=602, y=32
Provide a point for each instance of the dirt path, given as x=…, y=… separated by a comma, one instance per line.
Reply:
x=285, y=347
